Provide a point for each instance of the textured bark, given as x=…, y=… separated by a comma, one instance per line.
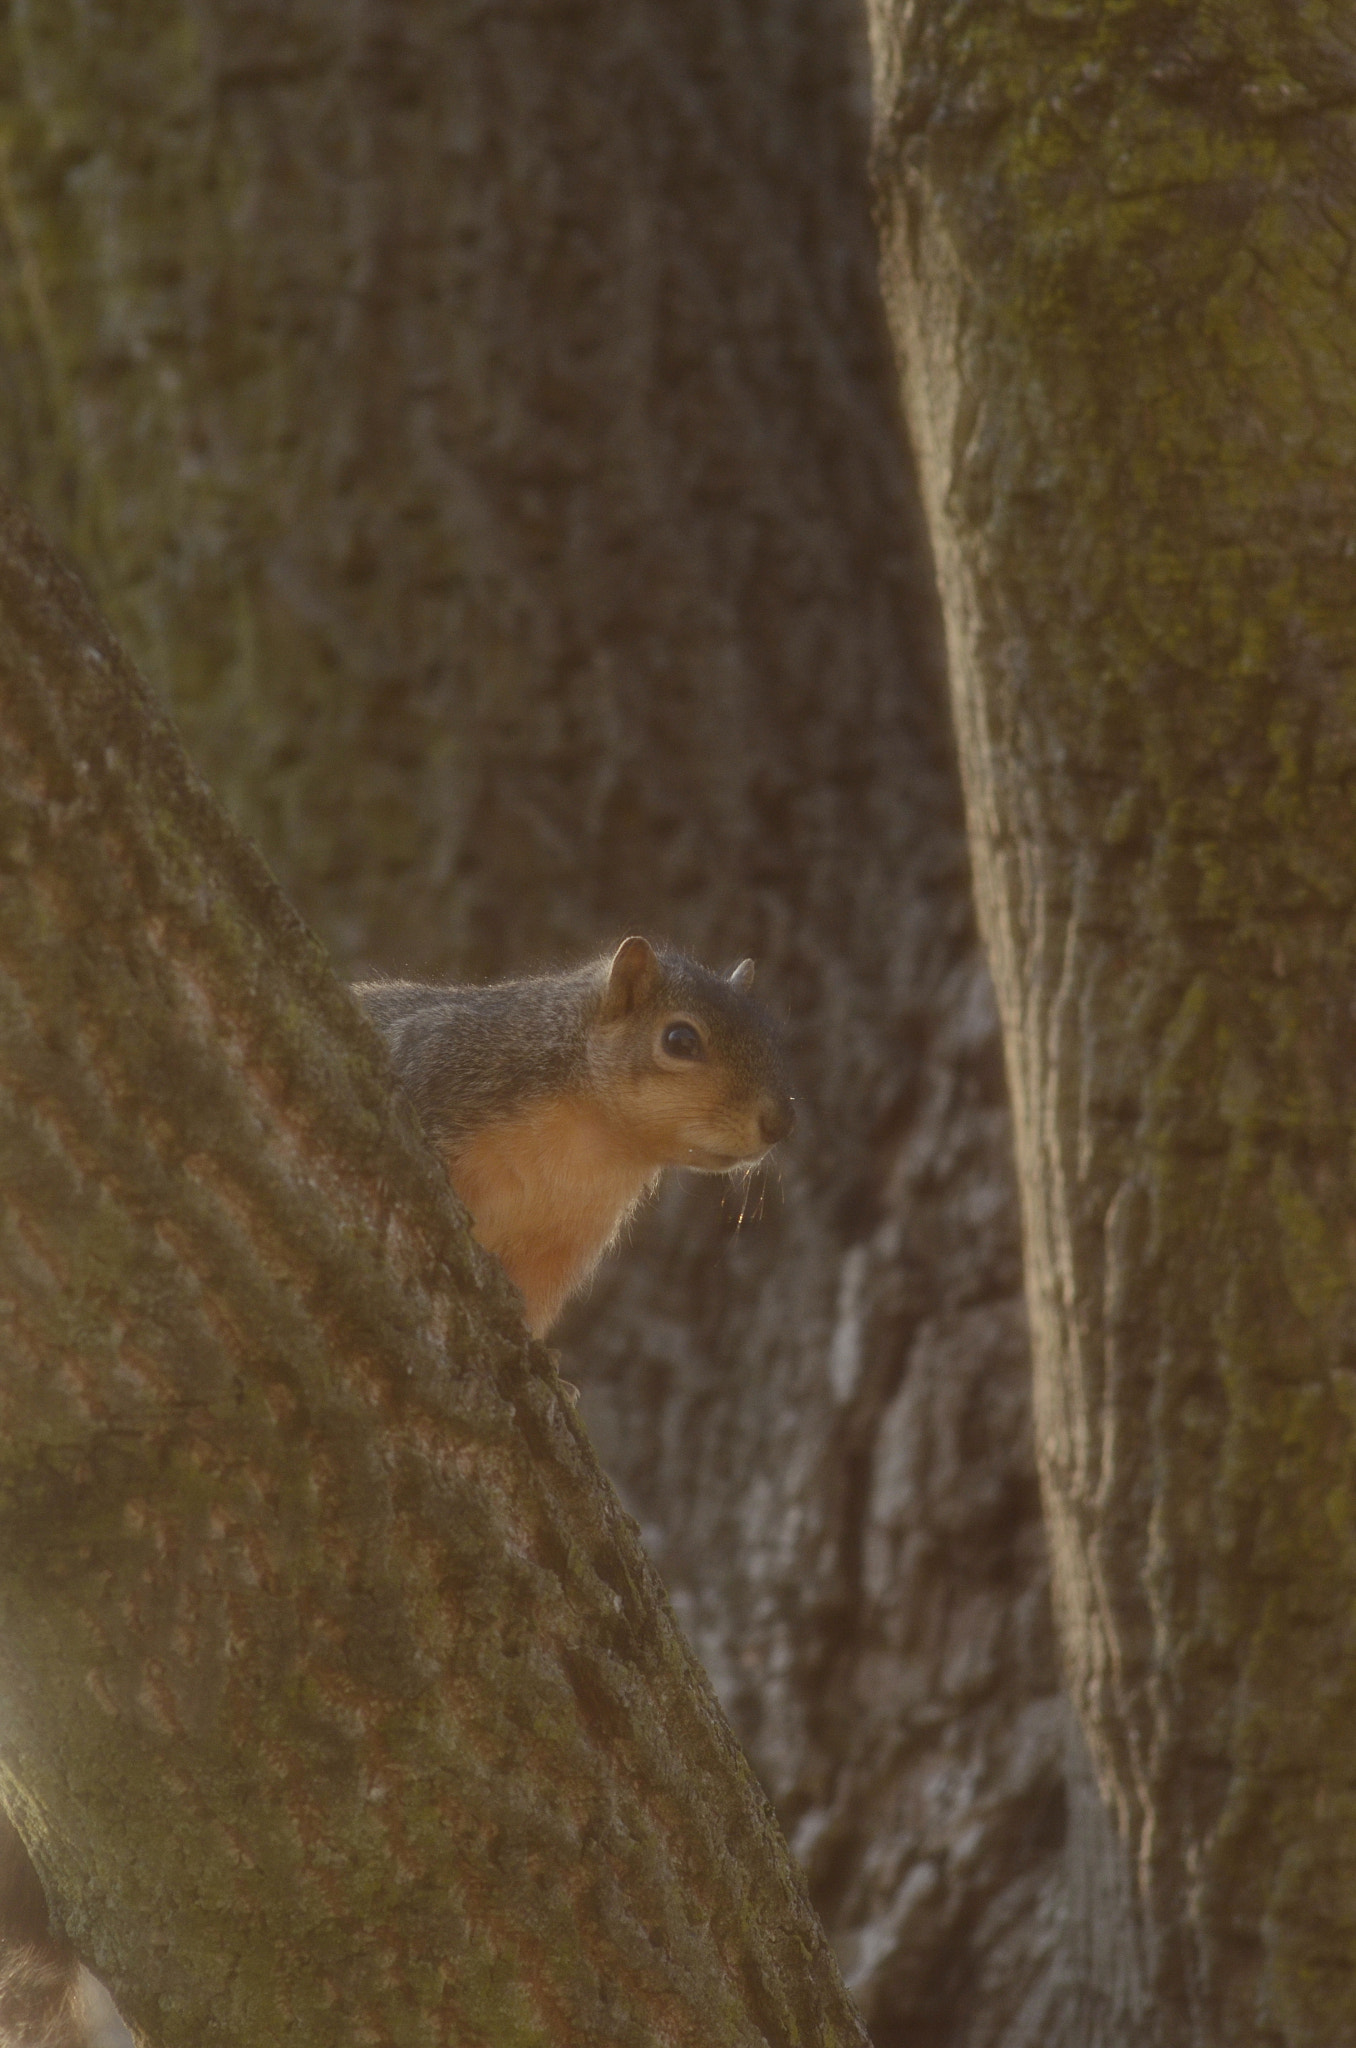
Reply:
x=479, y=421
x=313, y=1590
x=1119, y=261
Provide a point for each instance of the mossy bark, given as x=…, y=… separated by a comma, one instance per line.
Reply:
x=1118, y=257
x=479, y=422
x=339, y=1697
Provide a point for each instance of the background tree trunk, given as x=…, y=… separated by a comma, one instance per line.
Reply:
x=479, y=422
x=1119, y=266
x=338, y=1693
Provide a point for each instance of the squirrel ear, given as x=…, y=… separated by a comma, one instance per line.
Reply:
x=741, y=977
x=633, y=975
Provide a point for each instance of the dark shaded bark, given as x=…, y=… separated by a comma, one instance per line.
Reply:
x=1118, y=249
x=338, y=1692
x=480, y=423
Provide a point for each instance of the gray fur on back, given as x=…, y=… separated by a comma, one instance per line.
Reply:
x=467, y=1055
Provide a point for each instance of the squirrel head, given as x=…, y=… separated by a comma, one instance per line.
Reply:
x=691, y=1064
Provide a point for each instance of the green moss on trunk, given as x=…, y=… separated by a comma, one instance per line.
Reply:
x=1118, y=242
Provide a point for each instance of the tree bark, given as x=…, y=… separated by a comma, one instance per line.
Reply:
x=338, y=1692
x=480, y=424
x=1118, y=263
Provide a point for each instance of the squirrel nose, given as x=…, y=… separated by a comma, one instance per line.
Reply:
x=776, y=1120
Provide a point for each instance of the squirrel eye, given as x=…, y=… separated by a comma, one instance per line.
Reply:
x=682, y=1042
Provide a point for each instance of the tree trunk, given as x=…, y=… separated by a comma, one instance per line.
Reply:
x=479, y=421
x=1117, y=247
x=338, y=1693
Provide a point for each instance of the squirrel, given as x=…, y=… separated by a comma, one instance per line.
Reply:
x=558, y=1101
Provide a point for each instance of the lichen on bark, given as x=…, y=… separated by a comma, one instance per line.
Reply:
x=1118, y=252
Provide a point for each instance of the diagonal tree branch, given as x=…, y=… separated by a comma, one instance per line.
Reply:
x=336, y=1690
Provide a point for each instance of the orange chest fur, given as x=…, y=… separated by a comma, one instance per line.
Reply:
x=548, y=1190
